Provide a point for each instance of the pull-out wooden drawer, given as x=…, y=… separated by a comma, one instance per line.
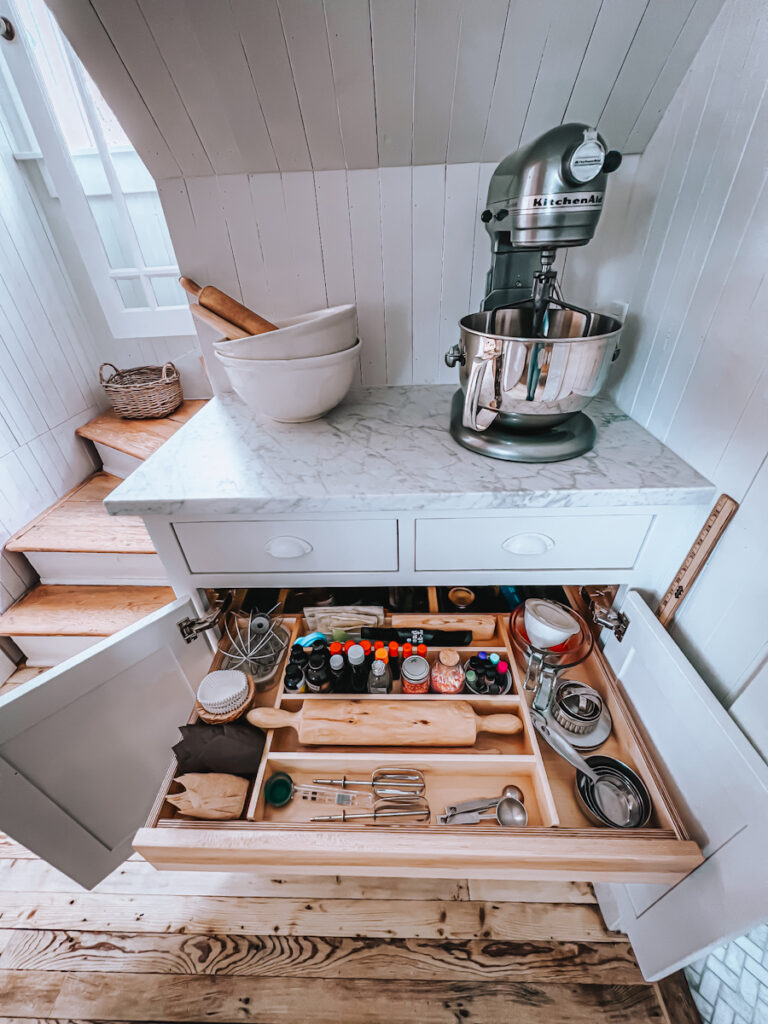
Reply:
x=286, y=546
x=530, y=542
x=558, y=844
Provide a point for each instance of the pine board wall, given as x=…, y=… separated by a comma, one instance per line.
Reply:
x=313, y=152
x=694, y=367
x=48, y=361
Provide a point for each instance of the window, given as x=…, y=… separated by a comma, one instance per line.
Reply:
x=108, y=197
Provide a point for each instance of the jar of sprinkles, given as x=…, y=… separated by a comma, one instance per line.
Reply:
x=414, y=673
x=447, y=673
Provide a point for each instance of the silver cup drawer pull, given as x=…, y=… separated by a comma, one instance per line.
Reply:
x=287, y=547
x=528, y=544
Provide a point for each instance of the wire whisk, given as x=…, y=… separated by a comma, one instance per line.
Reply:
x=254, y=645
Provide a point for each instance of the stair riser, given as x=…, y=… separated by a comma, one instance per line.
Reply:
x=99, y=568
x=7, y=667
x=42, y=651
x=115, y=462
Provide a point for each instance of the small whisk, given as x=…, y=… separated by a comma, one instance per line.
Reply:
x=255, y=646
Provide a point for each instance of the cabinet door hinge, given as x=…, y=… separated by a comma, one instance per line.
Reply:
x=599, y=600
x=191, y=629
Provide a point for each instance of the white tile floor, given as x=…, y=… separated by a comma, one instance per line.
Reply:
x=730, y=986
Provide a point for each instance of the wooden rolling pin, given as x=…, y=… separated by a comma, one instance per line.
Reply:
x=230, y=332
x=227, y=308
x=483, y=626
x=386, y=723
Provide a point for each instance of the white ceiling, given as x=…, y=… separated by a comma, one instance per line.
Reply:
x=231, y=86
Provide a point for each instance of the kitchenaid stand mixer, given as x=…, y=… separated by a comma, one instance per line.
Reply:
x=530, y=361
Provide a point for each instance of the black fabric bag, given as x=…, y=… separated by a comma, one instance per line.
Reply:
x=234, y=748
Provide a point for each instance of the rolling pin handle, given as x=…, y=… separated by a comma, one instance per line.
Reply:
x=273, y=718
x=506, y=725
x=190, y=286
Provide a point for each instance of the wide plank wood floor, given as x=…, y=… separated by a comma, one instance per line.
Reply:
x=209, y=946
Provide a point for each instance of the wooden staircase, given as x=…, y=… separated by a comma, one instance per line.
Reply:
x=98, y=573
x=51, y=624
x=124, y=444
x=78, y=541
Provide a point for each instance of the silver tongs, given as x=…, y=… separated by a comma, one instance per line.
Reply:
x=391, y=781
x=415, y=807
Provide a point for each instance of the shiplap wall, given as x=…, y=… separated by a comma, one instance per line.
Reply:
x=238, y=86
x=312, y=152
x=405, y=243
x=47, y=360
x=695, y=347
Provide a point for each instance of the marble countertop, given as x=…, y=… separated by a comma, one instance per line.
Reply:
x=388, y=449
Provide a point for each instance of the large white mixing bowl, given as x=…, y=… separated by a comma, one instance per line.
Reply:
x=293, y=390
x=313, y=334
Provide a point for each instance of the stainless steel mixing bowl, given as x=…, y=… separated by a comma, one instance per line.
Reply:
x=530, y=383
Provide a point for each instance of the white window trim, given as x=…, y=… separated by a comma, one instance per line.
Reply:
x=150, y=322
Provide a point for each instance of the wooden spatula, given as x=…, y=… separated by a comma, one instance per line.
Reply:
x=386, y=723
x=227, y=308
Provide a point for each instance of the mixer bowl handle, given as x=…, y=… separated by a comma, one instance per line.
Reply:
x=472, y=397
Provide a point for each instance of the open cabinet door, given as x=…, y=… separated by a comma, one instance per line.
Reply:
x=720, y=785
x=84, y=747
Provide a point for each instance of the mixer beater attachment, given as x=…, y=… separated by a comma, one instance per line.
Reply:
x=545, y=292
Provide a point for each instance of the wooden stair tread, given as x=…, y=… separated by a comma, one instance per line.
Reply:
x=80, y=522
x=22, y=675
x=139, y=438
x=81, y=610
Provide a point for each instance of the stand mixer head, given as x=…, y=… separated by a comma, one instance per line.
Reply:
x=530, y=361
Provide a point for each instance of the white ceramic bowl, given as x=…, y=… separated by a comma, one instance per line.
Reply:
x=313, y=334
x=547, y=623
x=293, y=390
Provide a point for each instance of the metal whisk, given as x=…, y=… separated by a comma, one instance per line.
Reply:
x=255, y=646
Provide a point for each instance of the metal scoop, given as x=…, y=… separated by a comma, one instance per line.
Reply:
x=614, y=797
x=482, y=803
x=509, y=812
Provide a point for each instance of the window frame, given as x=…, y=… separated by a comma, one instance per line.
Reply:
x=62, y=180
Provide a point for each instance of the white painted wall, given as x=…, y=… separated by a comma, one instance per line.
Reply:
x=695, y=366
x=310, y=152
x=239, y=86
x=47, y=358
x=405, y=243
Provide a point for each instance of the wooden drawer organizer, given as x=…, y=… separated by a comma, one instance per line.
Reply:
x=559, y=842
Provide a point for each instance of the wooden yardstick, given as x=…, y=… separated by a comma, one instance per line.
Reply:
x=695, y=560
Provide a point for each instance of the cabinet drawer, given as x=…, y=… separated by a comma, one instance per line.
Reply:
x=290, y=546
x=531, y=542
x=559, y=843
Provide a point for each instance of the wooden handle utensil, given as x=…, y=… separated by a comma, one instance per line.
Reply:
x=227, y=308
x=386, y=723
x=230, y=332
x=483, y=626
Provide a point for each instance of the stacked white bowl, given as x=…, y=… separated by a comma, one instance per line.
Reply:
x=298, y=372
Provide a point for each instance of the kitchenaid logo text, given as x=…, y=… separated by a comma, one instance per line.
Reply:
x=565, y=199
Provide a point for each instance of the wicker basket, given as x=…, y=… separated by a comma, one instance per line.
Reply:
x=143, y=392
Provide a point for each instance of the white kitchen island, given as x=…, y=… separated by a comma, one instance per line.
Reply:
x=378, y=491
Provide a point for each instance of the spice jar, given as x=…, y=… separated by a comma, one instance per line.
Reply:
x=415, y=674
x=447, y=673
